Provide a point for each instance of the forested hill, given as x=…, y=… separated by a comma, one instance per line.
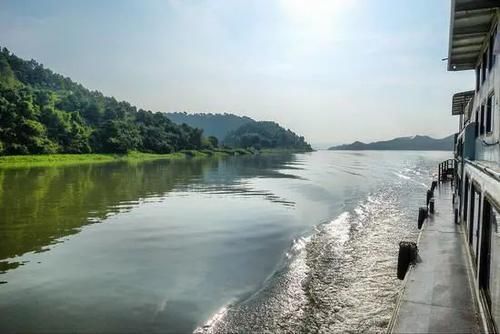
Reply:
x=217, y=125
x=44, y=112
x=267, y=135
x=422, y=143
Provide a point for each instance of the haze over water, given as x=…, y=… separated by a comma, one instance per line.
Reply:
x=285, y=243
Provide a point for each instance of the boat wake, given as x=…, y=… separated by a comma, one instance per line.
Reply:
x=340, y=278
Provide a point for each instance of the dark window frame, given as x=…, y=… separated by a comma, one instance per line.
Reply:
x=491, y=56
x=489, y=114
x=478, y=228
x=494, y=220
x=478, y=78
x=481, y=122
x=466, y=200
x=484, y=66
x=471, y=212
x=484, y=247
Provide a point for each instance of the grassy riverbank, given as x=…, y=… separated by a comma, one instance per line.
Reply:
x=44, y=160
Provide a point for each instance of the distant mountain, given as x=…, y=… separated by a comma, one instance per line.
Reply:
x=323, y=145
x=217, y=125
x=265, y=135
x=416, y=143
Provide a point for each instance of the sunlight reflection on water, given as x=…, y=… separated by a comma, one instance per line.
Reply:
x=285, y=243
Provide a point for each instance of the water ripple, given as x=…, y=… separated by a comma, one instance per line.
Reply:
x=340, y=278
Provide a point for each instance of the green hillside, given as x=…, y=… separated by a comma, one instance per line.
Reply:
x=243, y=132
x=217, y=125
x=44, y=112
x=265, y=135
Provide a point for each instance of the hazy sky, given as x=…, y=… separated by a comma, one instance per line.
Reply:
x=331, y=70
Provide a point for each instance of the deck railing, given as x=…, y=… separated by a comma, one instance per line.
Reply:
x=446, y=170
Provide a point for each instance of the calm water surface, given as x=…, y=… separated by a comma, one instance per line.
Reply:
x=283, y=243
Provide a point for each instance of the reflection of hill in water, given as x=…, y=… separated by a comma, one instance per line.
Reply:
x=40, y=205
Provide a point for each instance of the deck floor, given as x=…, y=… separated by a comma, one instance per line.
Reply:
x=437, y=297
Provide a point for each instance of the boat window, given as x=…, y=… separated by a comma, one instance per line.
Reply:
x=478, y=80
x=484, y=65
x=494, y=278
x=476, y=226
x=466, y=199
x=484, y=252
x=489, y=114
x=481, y=122
x=491, y=55
x=471, y=215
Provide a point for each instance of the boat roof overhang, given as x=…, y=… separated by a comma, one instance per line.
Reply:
x=471, y=22
x=460, y=101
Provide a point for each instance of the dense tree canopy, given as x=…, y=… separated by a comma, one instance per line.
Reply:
x=265, y=135
x=44, y=112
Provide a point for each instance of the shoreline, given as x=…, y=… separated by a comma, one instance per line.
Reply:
x=54, y=160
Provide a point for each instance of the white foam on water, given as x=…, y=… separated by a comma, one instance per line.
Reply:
x=339, y=227
x=298, y=245
x=290, y=297
x=360, y=211
x=215, y=318
x=402, y=176
x=341, y=278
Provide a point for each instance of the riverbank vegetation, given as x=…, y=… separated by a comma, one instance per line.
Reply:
x=46, y=160
x=42, y=112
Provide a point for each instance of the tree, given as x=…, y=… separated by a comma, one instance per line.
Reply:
x=265, y=135
x=44, y=112
x=119, y=136
x=213, y=141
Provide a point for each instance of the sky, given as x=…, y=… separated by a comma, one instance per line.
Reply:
x=334, y=71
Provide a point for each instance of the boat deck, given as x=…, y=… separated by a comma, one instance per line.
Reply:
x=437, y=296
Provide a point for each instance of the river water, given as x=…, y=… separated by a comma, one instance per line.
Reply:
x=287, y=243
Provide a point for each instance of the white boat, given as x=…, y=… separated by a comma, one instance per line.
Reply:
x=451, y=274
x=474, y=45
